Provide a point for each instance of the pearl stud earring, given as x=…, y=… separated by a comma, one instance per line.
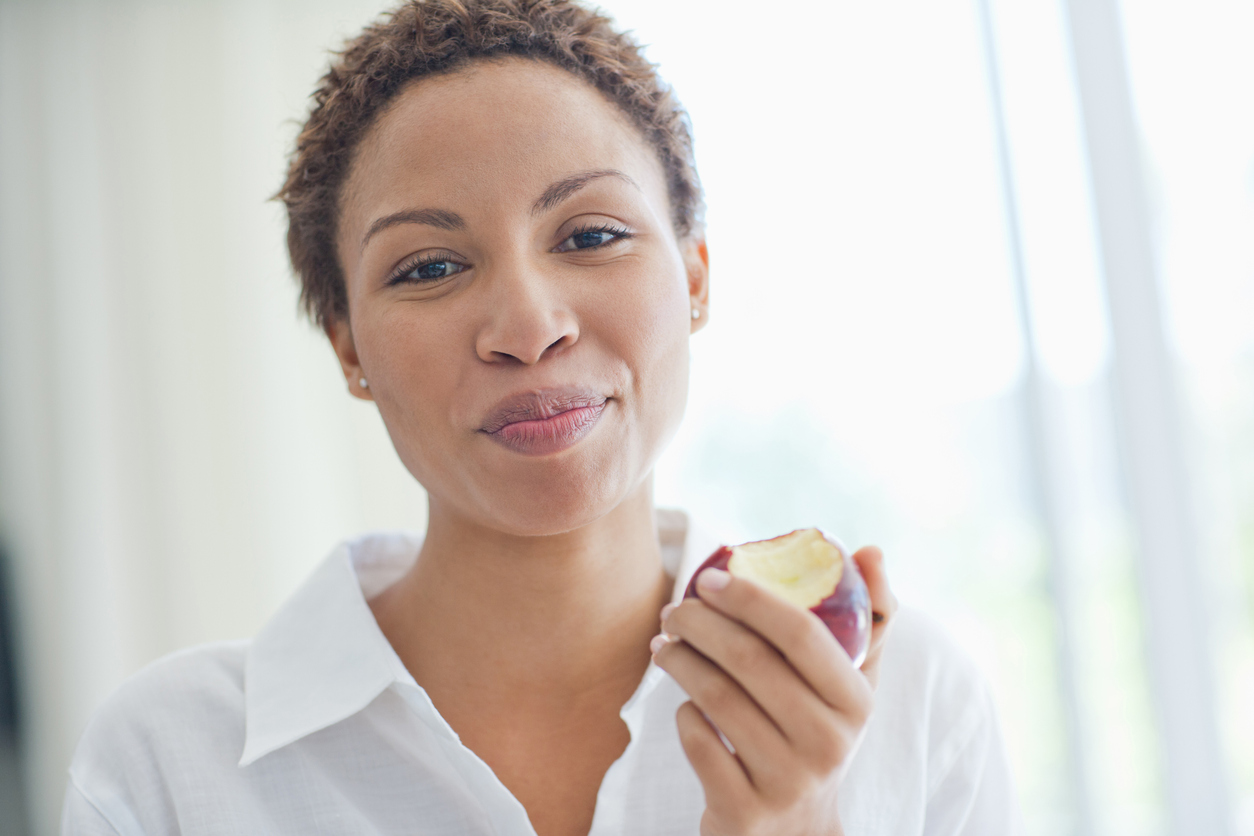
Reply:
x=362, y=382
x=696, y=314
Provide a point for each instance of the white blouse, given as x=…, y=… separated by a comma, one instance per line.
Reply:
x=315, y=727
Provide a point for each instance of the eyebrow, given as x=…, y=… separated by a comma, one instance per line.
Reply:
x=567, y=186
x=439, y=218
x=443, y=219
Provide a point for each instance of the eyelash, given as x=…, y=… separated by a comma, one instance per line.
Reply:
x=399, y=276
x=619, y=233
x=401, y=273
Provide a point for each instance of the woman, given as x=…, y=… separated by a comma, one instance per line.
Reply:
x=496, y=220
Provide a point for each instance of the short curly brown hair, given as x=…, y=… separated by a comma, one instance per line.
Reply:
x=433, y=37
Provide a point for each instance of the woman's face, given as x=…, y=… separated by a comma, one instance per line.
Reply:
x=519, y=303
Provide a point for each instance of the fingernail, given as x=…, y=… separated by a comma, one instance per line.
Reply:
x=667, y=610
x=713, y=580
x=659, y=641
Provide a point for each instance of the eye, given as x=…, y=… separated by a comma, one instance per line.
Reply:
x=591, y=238
x=429, y=268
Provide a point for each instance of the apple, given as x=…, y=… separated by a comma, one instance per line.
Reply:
x=808, y=568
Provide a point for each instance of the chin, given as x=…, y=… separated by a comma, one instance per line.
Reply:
x=554, y=497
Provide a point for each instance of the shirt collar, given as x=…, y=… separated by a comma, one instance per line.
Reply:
x=323, y=658
x=685, y=545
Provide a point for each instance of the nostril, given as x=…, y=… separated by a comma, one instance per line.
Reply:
x=525, y=335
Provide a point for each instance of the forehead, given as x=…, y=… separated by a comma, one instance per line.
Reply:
x=496, y=132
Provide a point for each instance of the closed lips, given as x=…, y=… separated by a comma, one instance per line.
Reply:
x=544, y=422
x=537, y=407
x=568, y=421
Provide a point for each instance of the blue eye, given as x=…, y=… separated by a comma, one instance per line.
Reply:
x=436, y=270
x=583, y=240
x=430, y=269
x=590, y=239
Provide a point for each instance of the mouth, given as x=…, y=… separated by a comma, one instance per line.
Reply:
x=544, y=422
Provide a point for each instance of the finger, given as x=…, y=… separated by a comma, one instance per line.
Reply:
x=870, y=562
x=812, y=727
x=759, y=744
x=726, y=784
x=799, y=635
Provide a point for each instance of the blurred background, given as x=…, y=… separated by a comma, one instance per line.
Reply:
x=983, y=294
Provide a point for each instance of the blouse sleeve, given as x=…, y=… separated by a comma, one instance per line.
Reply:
x=974, y=795
x=80, y=817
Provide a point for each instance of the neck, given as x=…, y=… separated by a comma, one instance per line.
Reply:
x=541, y=620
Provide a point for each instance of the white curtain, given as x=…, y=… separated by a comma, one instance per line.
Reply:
x=177, y=448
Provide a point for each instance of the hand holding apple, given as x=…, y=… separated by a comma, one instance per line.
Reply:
x=775, y=680
x=808, y=568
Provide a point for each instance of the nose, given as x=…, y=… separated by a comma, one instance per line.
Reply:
x=527, y=319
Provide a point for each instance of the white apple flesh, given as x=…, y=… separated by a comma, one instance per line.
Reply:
x=810, y=569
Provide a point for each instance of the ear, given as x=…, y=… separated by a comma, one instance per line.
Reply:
x=697, y=265
x=341, y=337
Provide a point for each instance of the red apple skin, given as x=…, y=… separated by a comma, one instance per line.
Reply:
x=846, y=612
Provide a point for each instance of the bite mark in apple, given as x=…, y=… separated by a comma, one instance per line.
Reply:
x=810, y=569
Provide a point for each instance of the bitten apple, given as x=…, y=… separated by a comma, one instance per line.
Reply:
x=808, y=568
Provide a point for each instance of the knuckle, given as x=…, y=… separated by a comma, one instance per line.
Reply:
x=748, y=655
x=695, y=735
x=816, y=641
x=669, y=655
x=680, y=616
x=690, y=734
x=718, y=696
x=790, y=787
x=828, y=748
x=801, y=632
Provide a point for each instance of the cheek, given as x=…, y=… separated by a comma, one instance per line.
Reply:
x=653, y=338
x=412, y=373
x=398, y=347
